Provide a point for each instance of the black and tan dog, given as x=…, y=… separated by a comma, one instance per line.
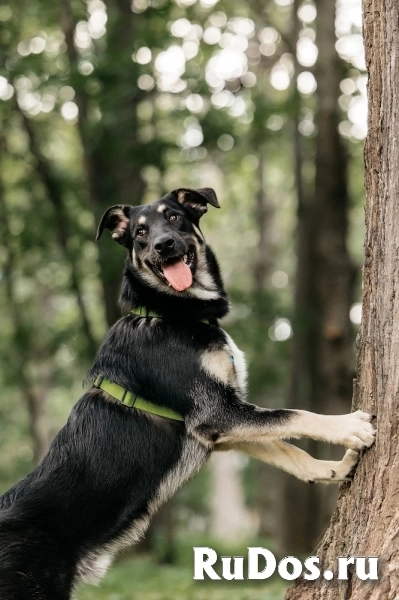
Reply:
x=169, y=388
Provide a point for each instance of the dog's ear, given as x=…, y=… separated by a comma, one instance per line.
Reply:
x=197, y=200
x=116, y=219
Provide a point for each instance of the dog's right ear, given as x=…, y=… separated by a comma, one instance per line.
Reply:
x=116, y=219
x=196, y=201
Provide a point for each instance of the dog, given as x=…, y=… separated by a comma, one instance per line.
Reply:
x=168, y=389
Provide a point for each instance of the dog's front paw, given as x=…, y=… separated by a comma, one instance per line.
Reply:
x=337, y=471
x=354, y=431
x=345, y=469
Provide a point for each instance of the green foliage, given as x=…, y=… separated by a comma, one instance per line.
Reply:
x=140, y=578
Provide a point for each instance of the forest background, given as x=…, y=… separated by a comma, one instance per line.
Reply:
x=119, y=102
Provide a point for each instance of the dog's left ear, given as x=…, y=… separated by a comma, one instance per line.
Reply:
x=197, y=200
x=116, y=219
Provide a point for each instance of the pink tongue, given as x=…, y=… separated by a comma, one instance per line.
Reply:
x=178, y=274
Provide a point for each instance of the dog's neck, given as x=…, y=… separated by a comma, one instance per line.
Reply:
x=136, y=293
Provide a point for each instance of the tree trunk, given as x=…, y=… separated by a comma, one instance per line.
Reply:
x=230, y=520
x=333, y=268
x=113, y=154
x=264, y=210
x=323, y=364
x=268, y=499
x=54, y=192
x=366, y=520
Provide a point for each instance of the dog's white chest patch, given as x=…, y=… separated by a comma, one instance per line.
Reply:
x=92, y=568
x=94, y=565
x=226, y=364
x=239, y=363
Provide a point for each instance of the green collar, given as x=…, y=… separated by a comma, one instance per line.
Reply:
x=143, y=312
x=129, y=399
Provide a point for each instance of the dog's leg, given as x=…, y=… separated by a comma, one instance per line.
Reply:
x=297, y=462
x=353, y=430
x=243, y=422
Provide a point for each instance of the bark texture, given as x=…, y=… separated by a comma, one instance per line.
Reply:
x=366, y=521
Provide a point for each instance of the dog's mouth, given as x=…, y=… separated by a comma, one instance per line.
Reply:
x=177, y=271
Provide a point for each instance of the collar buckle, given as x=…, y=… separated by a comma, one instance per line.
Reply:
x=98, y=381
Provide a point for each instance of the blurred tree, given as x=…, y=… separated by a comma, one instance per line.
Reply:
x=322, y=368
x=113, y=153
x=54, y=193
x=229, y=518
x=366, y=520
x=32, y=395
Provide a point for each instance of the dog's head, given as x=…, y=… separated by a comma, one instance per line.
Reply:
x=168, y=256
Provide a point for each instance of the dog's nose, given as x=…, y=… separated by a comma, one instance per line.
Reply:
x=164, y=242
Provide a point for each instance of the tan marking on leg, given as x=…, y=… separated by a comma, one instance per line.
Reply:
x=297, y=462
x=353, y=431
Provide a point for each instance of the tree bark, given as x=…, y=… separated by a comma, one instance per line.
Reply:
x=323, y=361
x=366, y=521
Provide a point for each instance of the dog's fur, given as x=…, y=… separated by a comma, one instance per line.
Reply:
x=111, y=467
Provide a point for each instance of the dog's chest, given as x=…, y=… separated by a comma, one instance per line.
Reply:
x=94, y=565
x=227, y=364
x=237, y=358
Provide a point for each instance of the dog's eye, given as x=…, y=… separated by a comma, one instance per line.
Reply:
x=173, y=217
x=140, y=231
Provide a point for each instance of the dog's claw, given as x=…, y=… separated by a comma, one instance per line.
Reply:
x=338, y=471
x=351, y=473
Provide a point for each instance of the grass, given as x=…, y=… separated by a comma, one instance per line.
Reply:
x=142, y=578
